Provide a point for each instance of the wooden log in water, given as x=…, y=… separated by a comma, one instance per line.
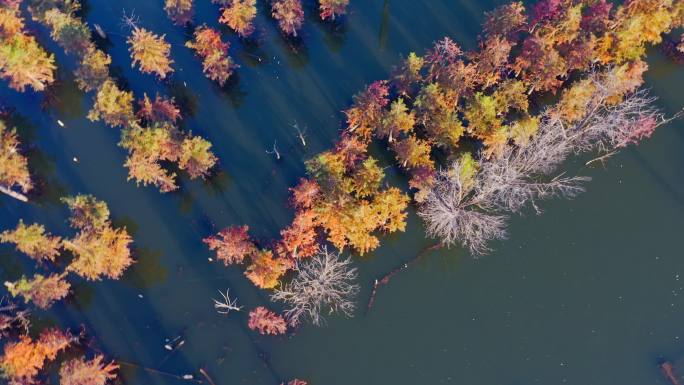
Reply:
x=13, y=194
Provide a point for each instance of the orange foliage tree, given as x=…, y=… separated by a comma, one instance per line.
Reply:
x=150, y=52
x=217, y=64
x=33, y=241
x=23, y=360
x=100, y=250
x=239, y=15
x=22, y=60
x=80, y=371
x=155, y=139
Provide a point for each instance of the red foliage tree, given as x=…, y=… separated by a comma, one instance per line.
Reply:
x=232, y=245
x=266, y=322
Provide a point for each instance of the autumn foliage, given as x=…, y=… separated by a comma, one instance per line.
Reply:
x=22, y=60
x=232, y=245
x=22, y=360
x=80, y=371
x=154, y=140
x=14, y=173
x=330, y=9
x=42, y=291
x=289, y=14
x=180, y=11
x=239, y=15
x=266, y=322
x=150, y=52
x=217, y=64
x=100, y=250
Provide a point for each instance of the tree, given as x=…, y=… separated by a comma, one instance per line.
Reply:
x=217, y=64
x=330, y=9
x=23, y=360
x=299, y=239
x=87, y=212
x=239, y=15
x=265, y=270
x=196, y=157
x=161, y=110
x=33, y=241
x=103, y=253
x=14, y=172
x=42, y=291
x=22, y=60
x=507, y=20
x=266, y=322
x=147, y=146
x=323, y=284
x=180, y=11
x=398, y=120
x=408, y=74
x=475, y=212
x=93, y=70
x=232, y=245
x=80, y=371
x=112, y=105
x=99, y=249
x=150, y=52
x=289, y=14
x=71, y=33
x=366, y=113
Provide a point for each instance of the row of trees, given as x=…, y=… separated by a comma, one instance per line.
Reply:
x=585, y=56
x=22, y=60
x=239, y=15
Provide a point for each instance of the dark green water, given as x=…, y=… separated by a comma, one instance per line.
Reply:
x=588, y=293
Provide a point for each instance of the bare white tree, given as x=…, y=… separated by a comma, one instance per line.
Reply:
x=324, y=283
x=474, y=212
x=226, y=305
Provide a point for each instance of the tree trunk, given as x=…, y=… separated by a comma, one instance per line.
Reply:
x=13, y=194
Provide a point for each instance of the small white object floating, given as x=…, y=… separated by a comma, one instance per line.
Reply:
x=140, y=295
x=60, y=123
x=211, y=259
x=168, y=347
x=75, y=160
x=185, y=84
x=188, y=377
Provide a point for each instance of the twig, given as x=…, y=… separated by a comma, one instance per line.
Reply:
x=275, y=150
x=385, y=279
x=300, y=133
x=601, y=158
x=161, y=373
x=206, y=375
x=226, y=305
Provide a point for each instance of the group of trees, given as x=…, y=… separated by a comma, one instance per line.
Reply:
x=153, y=140
x=98, y=250
x=239, y=15
x=22, y=60
x=150, y=133
x=585, y=56
x=208, y=45
x=24, y=360
x=14, y=172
